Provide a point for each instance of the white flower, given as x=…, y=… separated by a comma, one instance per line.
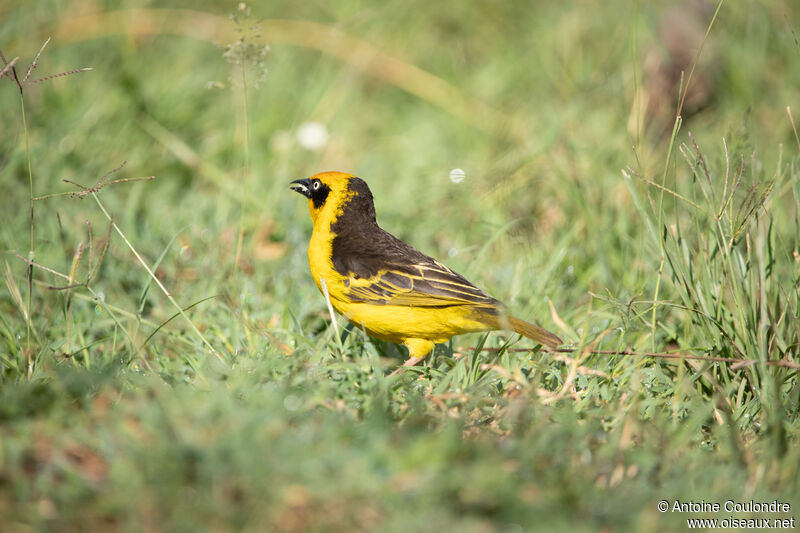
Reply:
x=312, y=135
x=457, y=175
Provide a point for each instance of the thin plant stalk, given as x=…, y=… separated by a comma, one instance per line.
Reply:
x=676, y=127
x=31, y=254
x=154, y=278
x=95, y=297
x=246, y=169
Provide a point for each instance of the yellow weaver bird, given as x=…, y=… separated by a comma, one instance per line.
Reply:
x=386, y=287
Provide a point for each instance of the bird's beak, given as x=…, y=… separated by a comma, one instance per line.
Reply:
x=302, y=186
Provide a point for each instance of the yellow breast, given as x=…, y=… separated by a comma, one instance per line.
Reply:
x=319, y=258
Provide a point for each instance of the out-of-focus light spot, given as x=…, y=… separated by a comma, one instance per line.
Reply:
x=457, y=175
x=185, y=252
x=312, y=135
x=452, y=252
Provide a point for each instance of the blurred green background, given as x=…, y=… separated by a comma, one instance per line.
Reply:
x=578, y=207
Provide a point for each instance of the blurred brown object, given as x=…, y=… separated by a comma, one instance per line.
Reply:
x=680, y=29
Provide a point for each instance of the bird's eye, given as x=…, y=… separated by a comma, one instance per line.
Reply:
x=316, y=185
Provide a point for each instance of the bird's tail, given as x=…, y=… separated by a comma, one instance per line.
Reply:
x=533, y=332
x=497, y=320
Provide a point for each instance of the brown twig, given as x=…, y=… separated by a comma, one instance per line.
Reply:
x=42, y=267
x=99, y=184
x=25, y=81
x=60, y=75
x=35, y=61
x=8, y=66
x=737, y=363
x=86, y=191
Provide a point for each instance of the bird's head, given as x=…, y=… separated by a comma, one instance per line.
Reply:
x=330, y=194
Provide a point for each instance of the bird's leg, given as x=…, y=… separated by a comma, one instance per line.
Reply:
x=418, y=349
x=411, y=361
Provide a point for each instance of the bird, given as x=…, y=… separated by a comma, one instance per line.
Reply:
x=386, y=287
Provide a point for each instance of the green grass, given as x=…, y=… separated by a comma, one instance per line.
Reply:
x=248, y=413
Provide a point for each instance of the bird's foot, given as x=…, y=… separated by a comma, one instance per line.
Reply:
x=411, y=361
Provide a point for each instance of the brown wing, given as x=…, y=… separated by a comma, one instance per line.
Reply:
x=428, y=284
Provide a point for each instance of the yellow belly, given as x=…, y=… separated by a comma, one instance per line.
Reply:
x=397, y=323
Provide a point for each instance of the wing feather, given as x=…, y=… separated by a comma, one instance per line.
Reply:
x=430, y=284
x=378, y=268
